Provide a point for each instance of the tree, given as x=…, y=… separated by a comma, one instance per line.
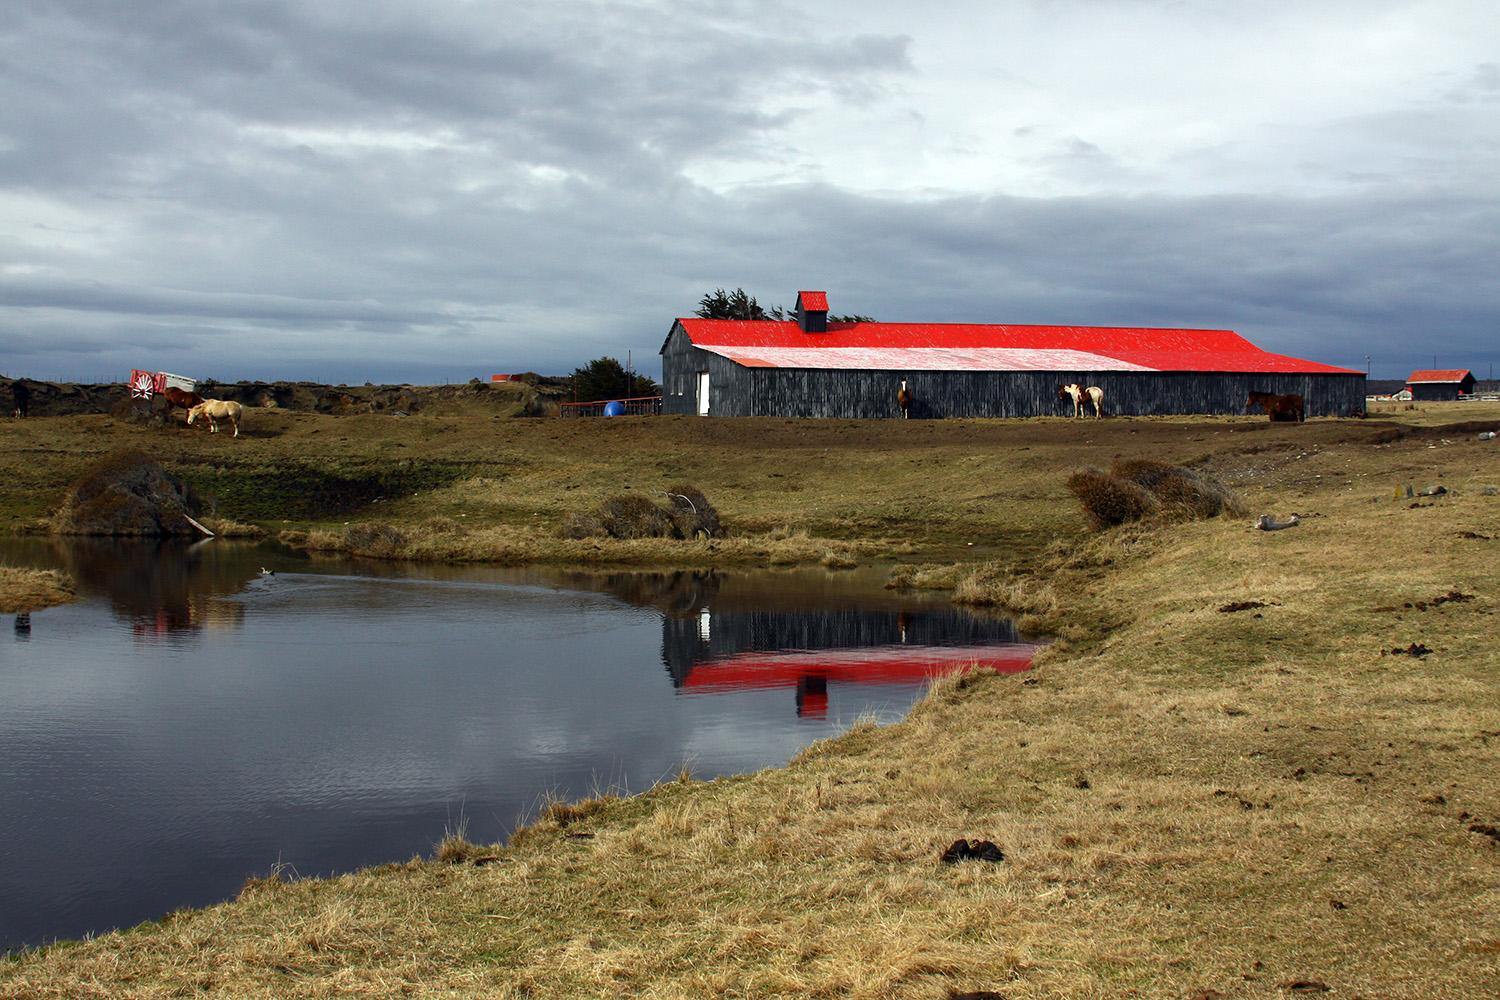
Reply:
x=738, y=304
x=720, y=304
x=606, y=378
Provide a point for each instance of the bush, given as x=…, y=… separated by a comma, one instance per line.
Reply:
x=1109, y=501
x=1139, y=487
x=688, y=514
x=382, y=541
x=692, y=514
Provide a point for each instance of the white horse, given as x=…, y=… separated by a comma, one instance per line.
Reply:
x=214, y=410
x=1078, y=393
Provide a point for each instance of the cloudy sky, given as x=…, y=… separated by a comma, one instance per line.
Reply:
x=420, y=191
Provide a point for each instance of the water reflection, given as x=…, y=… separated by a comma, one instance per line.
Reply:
x=162, y=589
x=187, y=723
x=714, y=651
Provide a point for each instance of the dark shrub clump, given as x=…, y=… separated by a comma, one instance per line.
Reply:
x=376, y=539
x=128, y=493
x=1140, y=487
x=685, y=514
x=1109, y=501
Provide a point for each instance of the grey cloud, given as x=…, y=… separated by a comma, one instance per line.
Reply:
x=227, y=229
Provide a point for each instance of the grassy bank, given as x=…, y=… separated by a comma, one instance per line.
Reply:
x=1221, y=781
x=917, y=490
x=23, y=590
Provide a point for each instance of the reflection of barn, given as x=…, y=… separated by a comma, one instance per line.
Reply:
x=810, y=366
x=714, y=636
x=722, y=651
x=1441, y=384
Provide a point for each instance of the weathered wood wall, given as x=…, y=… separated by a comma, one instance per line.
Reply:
x=800, y=392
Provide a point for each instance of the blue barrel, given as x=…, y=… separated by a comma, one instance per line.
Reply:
x=614, y=408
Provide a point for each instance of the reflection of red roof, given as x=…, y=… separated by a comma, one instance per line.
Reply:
x=1438, y=375
x=987, y=347
x=877, y=665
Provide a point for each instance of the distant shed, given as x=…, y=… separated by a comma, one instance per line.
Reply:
x=812, y=367
x=1437, y=384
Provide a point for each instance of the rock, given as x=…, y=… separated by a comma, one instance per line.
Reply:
x=128, y=494
x=1267, y=522
x=1433, y=491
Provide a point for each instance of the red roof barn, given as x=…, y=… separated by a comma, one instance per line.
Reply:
x=1443, y=383
x=809, y=366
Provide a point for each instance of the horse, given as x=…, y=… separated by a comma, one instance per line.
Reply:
x=903, y=400
x=21, y=396
x=1281, y=409
x=215, y=410
x=180, y=398
x=1077, y=394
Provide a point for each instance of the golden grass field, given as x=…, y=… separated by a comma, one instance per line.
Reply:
x=1193, y=802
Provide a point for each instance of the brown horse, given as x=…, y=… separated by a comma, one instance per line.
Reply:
x=180, y=398
x=1281, y=409
x=903, y=399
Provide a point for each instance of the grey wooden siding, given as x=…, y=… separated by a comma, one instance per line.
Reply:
x=739, y=391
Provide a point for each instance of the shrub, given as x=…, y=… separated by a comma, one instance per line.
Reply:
x=692, y=513
x=1109, y=501
x=382, y=541
x=1140, y=487
x=635, y=517
x=688, y=514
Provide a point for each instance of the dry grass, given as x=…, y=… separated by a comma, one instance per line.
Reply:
x=1191, y=802
x=23, y=590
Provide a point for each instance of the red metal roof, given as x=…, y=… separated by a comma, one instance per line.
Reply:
x=813, y=301
x=988, y=347
x=1439, y=375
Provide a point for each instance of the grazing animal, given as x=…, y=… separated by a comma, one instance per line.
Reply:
x=180, y=397
x=1281, y=409
x=21, y=394
x=903, y=400
x=214, y=410
x=1078, y=394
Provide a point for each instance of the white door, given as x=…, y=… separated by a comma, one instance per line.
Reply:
x=703, y=394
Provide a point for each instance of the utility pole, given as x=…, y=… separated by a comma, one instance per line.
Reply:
x=1367, y=366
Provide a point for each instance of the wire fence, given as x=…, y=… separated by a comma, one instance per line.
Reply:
x=632, y=406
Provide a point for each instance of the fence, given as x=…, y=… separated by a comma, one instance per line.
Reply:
x=635, y=406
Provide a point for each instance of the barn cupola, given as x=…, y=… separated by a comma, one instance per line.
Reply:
x=812, y=311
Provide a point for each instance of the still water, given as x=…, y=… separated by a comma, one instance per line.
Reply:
x=190, y=722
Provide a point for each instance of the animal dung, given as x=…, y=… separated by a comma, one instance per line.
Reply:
x=979, y=850
x=1416, y=649
x=1233, y=606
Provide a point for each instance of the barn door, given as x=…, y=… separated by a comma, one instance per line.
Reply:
x=703, y=394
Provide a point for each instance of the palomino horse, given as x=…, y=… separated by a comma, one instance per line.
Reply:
x=1078, y=393
x=1287, y=408
x=215, y=410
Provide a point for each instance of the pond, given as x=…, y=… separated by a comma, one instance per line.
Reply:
x=191, y=722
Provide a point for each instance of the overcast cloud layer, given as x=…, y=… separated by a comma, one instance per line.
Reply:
x=394, y=190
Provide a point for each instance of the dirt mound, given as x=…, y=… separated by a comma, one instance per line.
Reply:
x=128, y=494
